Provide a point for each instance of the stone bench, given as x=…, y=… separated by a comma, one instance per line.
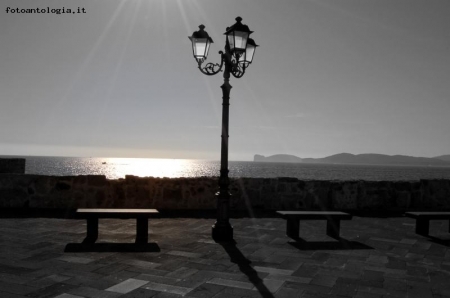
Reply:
x=333, y=219
x=423, y=220
x=92, y=216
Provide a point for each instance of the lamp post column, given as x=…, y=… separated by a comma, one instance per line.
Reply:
x=222, y=230
x=239, y=51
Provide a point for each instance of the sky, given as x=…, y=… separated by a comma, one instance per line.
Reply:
x=330, y=76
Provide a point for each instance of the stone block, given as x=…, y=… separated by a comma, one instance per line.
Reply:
x=402, y=200
x=62, y=186
x=436, y=193
x=14, y=197
x=12, y=165
x=304, y=201
x=344, y=195
x=373, y=195
x=97, y=180
x=287, y=202
x=199, y=193
x=287, y=179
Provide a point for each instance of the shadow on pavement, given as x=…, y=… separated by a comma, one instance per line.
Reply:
x=444, y=242
x=340, y=244
x=243, y=263
x=112, y=247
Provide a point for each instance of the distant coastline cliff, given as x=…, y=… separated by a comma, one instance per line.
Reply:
x=278, y=158
x=368, y=159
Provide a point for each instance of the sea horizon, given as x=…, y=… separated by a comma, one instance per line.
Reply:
x=116, y=168
x=231, y=160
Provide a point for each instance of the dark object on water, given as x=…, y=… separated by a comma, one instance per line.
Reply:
x=104, y=163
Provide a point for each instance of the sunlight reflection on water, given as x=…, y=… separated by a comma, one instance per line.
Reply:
x=145, y=167
x=115, y=168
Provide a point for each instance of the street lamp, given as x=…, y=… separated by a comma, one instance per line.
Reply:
x=239, y=52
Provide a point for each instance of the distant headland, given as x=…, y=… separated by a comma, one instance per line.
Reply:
x=368, y=159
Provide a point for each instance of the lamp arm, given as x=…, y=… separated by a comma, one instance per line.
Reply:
x=210, y=68
x=237, y=69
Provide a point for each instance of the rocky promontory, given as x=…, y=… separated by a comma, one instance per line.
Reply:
x=277, y=158
x=362, y=159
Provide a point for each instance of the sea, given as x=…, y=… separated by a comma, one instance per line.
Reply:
x=115, y=168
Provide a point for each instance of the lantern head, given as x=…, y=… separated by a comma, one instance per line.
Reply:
x=237, y=36
x=200, y=44
x=247, y=58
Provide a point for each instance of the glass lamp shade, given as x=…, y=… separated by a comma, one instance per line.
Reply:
x=249, y=53
x=200, y=44
x=237, y=36
x=237, y=41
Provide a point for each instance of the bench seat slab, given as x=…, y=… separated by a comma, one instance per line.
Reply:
x=92, y=216
x=115, y=213
x=429, y=215
x=423, y=220
x=312, y=215
x=333, y=219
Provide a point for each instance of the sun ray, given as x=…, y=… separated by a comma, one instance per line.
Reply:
x=182, y=11
x=117, y=68
x=87, y=61
x=267, y=119
x=207, y=20
x=213, y=96
x=165, y=31
x=83, y=66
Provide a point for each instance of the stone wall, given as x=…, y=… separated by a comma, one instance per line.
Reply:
x=69, y=192
x=12, y=165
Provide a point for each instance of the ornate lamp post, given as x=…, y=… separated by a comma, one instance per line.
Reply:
x=239, y=52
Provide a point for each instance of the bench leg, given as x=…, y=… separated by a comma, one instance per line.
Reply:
x=293, y=228
x=333, y=228
x=141, y=230
x=422, y=226
x=92, y=230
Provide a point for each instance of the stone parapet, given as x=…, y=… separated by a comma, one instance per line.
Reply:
x=37, y=191
x=12, y=165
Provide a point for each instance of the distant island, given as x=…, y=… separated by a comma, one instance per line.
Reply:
x=443, y=157
x=368, y=159
x=278, y=158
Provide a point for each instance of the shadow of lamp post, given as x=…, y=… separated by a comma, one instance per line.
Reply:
x=238, y=55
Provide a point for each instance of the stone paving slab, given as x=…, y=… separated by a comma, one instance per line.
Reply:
x=376, y=257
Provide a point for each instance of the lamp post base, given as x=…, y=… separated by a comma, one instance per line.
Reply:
x=222, y=233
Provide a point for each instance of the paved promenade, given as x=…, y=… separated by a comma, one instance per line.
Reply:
x=379, y=257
